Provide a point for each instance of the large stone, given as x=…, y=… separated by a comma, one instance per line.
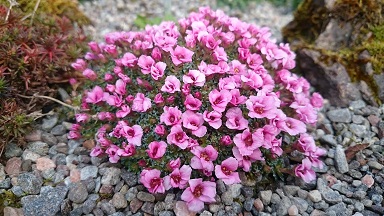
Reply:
x=78, y=193
x=337, y=48
x=29, y=183
x=341, y=160
x=40, y=148
x=47, y=203
x=13, y=166
x=111, y=176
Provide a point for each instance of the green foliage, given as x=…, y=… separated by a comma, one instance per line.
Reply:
x=59, y=8
x=34, y=59
x=141, y=21
x=8, y=199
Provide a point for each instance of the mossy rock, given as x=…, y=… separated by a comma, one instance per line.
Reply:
x=340, y=48
x=67, y=8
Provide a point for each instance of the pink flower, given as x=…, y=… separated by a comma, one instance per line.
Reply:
x=219, y=54
x=144, y=83
x=112, y=153
x=152, y=181
x=194, y=77
x=111, y=50
x=213, y=118
x=120, y=87
x=305, y=171
x=158, y=99
x=94, y=46
x=145, y=63
x=178, y=137
x=156, y=149
x=226, y=171
x=96, y=151
x=174, y=164
x=226, y=140
x=129, y=60
x=235, y=67
x=181, y=55
x=261, y=107
x=203, y=158
x=317, y=100
x=194, y=122
x=314, y=156
x=252, y=79
x=307, y=114
x=90, y=74
x=156, y=54
x=95, y=96
x=79, y=65
x=186, y=89
x=247, y=142
x=228, y=83
x=254, y=61
x=108, y=77
x=132, y=134
x=198, y=193
x=81, y=117
x=74, y=135
x=192, y=103
x=237, y=98
x=178, y=178
x=141, y=103
x=235, y=119
x=219, y=99
x=171, y=116
x=246, y=161
x=276, y=147
x=127, y=151
x=124, y=111
x=157, y=70
x=292, y=126
x=171, y=85
x=160, y=130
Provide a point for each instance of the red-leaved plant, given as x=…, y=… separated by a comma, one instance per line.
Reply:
x=210, y=97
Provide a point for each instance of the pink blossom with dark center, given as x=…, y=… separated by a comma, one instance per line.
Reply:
x=194, y=77
x=145, y=63
x=304, y=171
x=192, y=103
x=81, y=117
x=226, y=171
x=317, y=100
x=157, y=70
x=171, y=85
x=226, y=140
x=90, y=74
x=181, y=55
x=213, y=118
x=171, y=116
x=178, y=178
x=292, y=126
x=124, y=111
x=79, y=65
x=112, y=153
x=174, y=164
x=120, y=87
x=158, y=99
x=152, y=181
x=178, y=137
x=160, y=130
x=237, y=98
x=235, y=67
x=261, y=107
x=194, y=122
x=156, y=149
x=219, y=54
x=235, y=119
x=219, y=99
x=248, y=142
x=198, y=193
x=127, y=150
x=96, y=151
x=246, y=161
x=129, y=60
x=132, y=134
x=141, y=103
x=203, y=158
x=95, y=96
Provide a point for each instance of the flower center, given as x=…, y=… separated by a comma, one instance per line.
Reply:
x=179, y=136
x=248, y=140
x=176, y=178
x=204, y=156
x=172, y=118
x=259, y=110
x=236, y=70
x=198, y=191
x=155, y=182
x=131, y=132
x=226, y=171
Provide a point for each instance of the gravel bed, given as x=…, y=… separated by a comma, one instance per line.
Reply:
x=56, y=176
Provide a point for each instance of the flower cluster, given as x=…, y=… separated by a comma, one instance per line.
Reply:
x=207, y=98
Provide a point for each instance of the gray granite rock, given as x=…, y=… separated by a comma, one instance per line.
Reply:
x=90, y=203
x=111, y=176
x=29, y=183
x=341, y=160
x=78, y=193
x=58, y=130
x=88, y=172
x=12, y=150
x=47, y=203
x=38, y=147
x=340, y=115
x=49, y=122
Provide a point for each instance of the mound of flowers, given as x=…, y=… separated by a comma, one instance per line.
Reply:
x=189, y=103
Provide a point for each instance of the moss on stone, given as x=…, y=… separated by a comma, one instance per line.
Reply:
x=367, y=19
